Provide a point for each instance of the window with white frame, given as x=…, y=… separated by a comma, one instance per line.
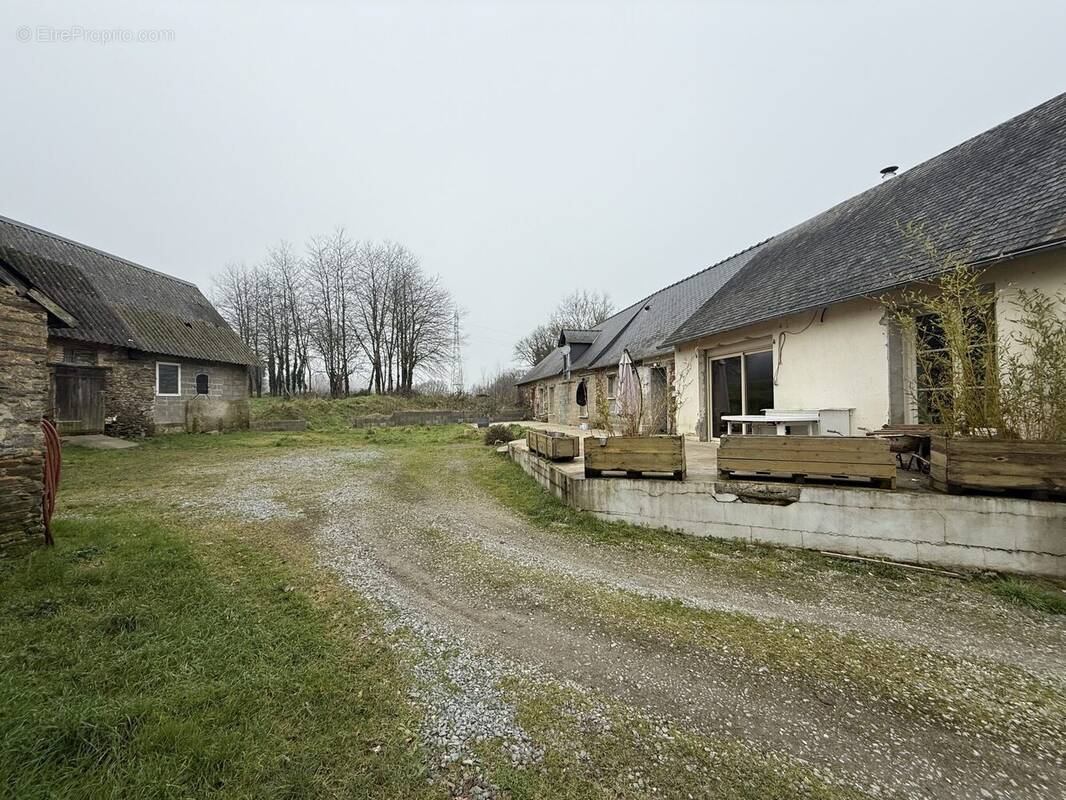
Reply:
x=167, y=379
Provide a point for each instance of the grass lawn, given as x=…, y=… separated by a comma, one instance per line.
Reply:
x=141, y=659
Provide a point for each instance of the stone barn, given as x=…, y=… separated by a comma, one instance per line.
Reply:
x=130, y=351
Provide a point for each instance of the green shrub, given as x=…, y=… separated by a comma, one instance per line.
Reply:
x=502, y=434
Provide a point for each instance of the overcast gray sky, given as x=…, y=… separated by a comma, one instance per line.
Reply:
x=520, y=149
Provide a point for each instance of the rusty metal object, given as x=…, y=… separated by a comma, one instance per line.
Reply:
x=53, y=463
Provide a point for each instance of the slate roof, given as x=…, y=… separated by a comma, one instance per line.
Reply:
x=1000, y=193
x=117, y=302
x=641, y=327
x=552, y=364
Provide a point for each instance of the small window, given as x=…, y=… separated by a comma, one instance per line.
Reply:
x=612, y=383
x=202, y=383
x=168, y=379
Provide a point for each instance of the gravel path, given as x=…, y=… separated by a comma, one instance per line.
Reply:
x=474, y=591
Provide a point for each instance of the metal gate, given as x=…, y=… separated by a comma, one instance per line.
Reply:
x=78, y=399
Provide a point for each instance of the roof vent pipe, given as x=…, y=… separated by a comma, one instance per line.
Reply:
x=889, y=172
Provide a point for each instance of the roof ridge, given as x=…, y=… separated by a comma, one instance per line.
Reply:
x=89, y=247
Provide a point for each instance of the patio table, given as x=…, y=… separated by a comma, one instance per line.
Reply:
x=780, y=420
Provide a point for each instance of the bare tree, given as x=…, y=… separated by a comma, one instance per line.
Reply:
x=343, y=306
x=581, y=309
x=500, y=390
x=237, y=293
x=535, y=346
x=372, y=290
x=285, y=310
x=329, y=270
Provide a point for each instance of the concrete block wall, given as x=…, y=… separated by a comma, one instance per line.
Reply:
x=226, y=383
x=23, y=401
x=1001, y=534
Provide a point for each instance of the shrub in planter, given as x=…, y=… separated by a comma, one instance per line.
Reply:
x=998, y=401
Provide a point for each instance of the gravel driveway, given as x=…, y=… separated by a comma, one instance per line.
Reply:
x=867, y=686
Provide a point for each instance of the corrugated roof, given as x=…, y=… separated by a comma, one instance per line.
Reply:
x=118, y=302
x=641, y=327
x=1001, y=192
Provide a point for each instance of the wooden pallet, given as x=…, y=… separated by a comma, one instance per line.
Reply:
x=677, y=475
x=635, y=456
x=1032, y=469
x=552, y=445
x=799, y=458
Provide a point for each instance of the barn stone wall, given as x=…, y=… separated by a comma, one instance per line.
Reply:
x=23, y=400
x=129, y=384
x=135, y=408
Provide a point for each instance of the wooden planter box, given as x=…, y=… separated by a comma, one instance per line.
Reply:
x=635, y=455
x=553, y=446
x=800, y=457
x=961, y=463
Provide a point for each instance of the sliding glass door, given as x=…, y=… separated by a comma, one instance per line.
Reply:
x=740, y=384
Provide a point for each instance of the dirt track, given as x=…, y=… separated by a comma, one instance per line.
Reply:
x=488, y=595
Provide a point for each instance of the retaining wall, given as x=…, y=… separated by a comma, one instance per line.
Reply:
x=1002, y=534
x=436, y=417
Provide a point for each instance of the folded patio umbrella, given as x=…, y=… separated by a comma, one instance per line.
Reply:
x=629, y=394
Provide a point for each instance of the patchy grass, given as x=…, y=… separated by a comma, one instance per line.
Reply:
x=323, y=413
x=594, y=749
x=1038, y=595
x=979, y=697
x=142, y=661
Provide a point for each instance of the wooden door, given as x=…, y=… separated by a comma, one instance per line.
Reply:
x=78, y=399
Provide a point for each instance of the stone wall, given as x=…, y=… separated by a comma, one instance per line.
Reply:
x=23, y=400
x=129, y=383
x=130, y=394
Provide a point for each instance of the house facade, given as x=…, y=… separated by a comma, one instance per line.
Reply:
x=130, y=351
x=807, y=310
x=800, y=323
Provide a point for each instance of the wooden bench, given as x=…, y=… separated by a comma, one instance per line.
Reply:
x=801, y=457
x=552, y=445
